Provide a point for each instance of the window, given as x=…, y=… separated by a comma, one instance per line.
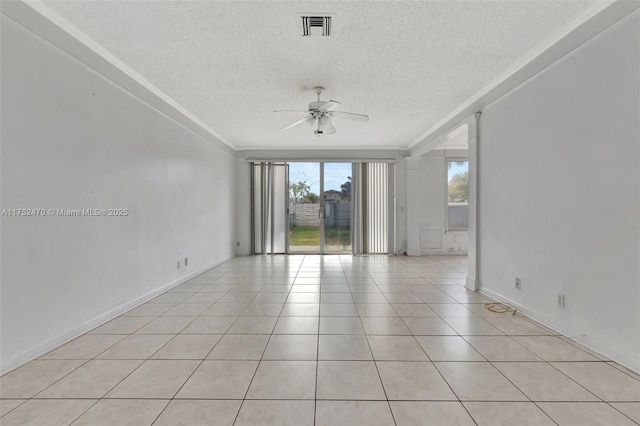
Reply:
x=457, y=194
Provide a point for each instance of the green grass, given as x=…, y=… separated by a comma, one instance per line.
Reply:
x=304, y=236
x=337, y=236
x=310, y=236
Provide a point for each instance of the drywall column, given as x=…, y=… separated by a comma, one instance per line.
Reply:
x=414, y=183
x=401, y=206
x=472, y=233
x=391, y=212
x=243, y=196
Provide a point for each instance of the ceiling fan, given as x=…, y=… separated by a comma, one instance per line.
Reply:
x=319, y=114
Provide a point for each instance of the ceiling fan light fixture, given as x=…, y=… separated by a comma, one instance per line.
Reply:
x=320, y=113
x=325, y=126
x=322, y=123
x=311, y=120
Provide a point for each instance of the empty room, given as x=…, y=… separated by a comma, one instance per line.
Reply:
x=352, y=213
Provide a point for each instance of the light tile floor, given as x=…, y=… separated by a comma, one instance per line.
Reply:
x=324, y=340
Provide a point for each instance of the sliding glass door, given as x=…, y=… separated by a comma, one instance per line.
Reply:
x=305, y=208
x=336, y=192
x=322, y=207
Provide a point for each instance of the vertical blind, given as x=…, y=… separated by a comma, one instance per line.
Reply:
x=373, y=213
x=269, y=183
x=376, y=208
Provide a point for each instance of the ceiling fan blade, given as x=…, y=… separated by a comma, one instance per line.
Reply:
x=325, y=125
x=330, y=106
x=291, y=110
x=350, y=116
x=302, y=120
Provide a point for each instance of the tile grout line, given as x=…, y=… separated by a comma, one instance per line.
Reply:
x=433, y=364
x=261, y=357
x=376, y=266
x=439, y=372
x=195, y=369
x=366, y=336
x=93, y=359
x=315, y=396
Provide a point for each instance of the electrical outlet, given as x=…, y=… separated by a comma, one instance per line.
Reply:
x=561, y=300
x=518, y=284
x=178, y=264
x=186, y=261
x=237, y=243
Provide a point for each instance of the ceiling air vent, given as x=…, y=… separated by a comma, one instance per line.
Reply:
x=316, y=25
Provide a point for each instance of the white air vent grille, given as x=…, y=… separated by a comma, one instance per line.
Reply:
x=316, y=25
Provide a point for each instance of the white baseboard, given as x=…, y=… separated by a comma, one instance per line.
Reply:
x=435, y=252
x=471, y=283
x=34, y=352
x=583, y=339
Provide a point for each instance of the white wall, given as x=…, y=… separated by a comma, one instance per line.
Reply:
x=71, y=139
x=559, y=194
x=426, y=198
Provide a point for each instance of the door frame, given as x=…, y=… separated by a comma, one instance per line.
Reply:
x=321, y=207
x=286, y=208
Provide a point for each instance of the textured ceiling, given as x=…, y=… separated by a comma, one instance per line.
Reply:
x=406, y=64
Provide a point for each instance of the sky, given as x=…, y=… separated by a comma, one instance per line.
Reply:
x=455, y=169
x=335, y=174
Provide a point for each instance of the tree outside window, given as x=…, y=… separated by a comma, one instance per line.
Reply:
x=457, y=195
